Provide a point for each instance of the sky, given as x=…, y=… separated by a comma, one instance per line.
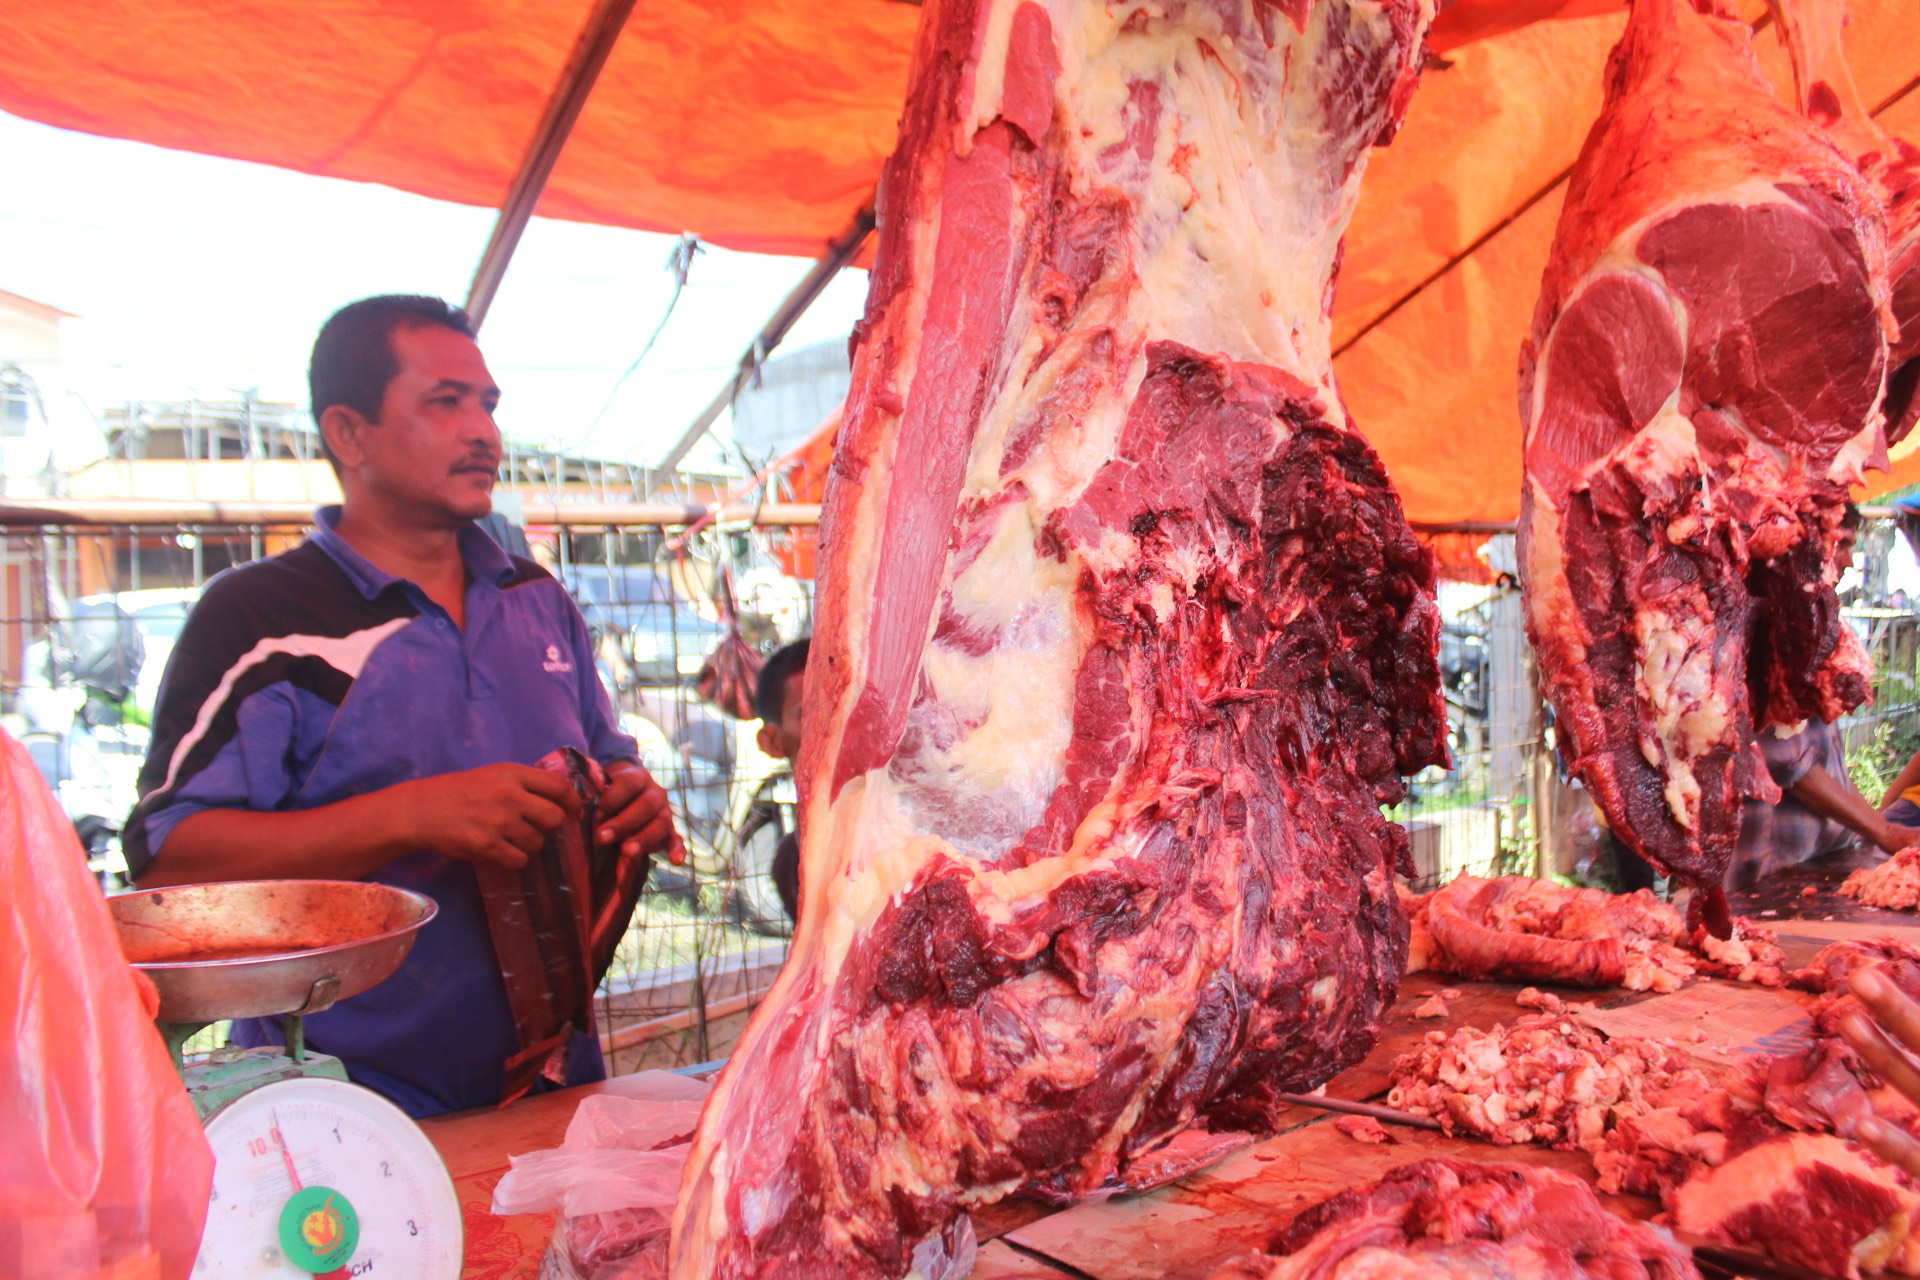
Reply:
x=193, y=275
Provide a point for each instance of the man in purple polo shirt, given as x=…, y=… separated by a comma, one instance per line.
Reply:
x=371, y=704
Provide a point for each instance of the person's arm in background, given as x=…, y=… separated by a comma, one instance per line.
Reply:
x=1835, y=798
x=1909, y=777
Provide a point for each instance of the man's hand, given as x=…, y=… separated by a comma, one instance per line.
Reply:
x=1893, y=837
x=637, y=816
x=1885, y=1043
x=500, y=813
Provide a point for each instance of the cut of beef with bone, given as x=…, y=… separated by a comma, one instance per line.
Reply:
x=1702, y=383
x=1122, y=642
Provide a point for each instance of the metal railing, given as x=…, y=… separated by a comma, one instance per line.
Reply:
x=89, y=608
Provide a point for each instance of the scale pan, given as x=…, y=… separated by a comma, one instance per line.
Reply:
x=256, y=948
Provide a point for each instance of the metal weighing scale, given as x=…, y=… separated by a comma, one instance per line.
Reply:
x=313, y=1176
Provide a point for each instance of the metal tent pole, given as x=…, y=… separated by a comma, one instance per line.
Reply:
x=590, y=51
x=840, y=251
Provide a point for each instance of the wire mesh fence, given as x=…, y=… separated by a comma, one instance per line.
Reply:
x=91, y=614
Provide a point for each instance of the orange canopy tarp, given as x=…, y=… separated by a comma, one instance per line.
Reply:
x=762, y=124
x=759, y=124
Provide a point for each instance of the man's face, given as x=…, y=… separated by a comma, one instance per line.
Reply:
x=435, y=452
x=1843, y=550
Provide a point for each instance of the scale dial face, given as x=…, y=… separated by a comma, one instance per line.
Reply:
x=316, y=1177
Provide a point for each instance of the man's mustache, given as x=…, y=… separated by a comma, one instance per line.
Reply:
x=488, y=463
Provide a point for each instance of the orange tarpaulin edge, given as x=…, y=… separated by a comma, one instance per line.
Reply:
x=760, y=124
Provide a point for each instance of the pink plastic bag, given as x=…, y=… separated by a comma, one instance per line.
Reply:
x=614, y=1179
x=104, y=1169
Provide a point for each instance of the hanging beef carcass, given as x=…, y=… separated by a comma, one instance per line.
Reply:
x=1123, y=641
x=1702, y=383
x=1824, y=85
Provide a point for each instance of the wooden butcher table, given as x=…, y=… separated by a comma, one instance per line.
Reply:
x=1185, y=1230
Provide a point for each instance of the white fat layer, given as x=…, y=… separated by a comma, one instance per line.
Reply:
x=987, y=87
x=1233, y=259
x=1666, y=448
x=1014, y=693
x=1549, y=596
x=1688, y=711
x=1675, y=682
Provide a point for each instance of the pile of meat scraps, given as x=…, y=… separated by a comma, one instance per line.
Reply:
x=1757, y=1157
x=1894, y=884
x=1445, y=1219
x=1519, y=928
x=1546, y=1079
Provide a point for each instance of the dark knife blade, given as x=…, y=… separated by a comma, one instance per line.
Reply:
x=1388, y=1114
x=1730, y=1261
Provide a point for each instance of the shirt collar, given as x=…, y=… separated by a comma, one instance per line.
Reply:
x=486, y=560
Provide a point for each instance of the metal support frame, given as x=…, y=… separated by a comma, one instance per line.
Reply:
x=589, y=56
x=65, y=513
x=841, y=250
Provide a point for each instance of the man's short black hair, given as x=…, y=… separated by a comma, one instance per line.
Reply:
x=353, y=358
x=1850, y=518
x=770, y=692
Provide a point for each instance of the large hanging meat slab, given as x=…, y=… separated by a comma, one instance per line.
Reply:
x=1123, y=640
x=1702, y=384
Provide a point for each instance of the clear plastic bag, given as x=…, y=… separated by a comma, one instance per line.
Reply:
x=104, y=1169
x=614, y=1180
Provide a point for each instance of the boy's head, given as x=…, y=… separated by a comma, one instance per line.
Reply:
x=1849, y=535
x=779, y=697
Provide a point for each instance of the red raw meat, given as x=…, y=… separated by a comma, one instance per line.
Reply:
x=1520, y=928
x=1123, y=641
x=1457, y=1219
x=1828, y=96
x=1810, y=1200
x=1702, y=384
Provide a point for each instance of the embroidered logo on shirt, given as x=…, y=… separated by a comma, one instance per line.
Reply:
x=554, y=662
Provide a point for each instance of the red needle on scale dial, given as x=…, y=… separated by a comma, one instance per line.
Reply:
x=280, y=1141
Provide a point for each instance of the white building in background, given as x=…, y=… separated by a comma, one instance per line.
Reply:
x=29, y=367
x=46, y=430
x=794, y=394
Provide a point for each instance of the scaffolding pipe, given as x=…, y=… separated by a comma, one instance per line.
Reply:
x=590, y=51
